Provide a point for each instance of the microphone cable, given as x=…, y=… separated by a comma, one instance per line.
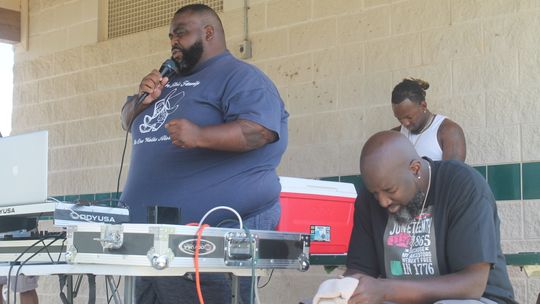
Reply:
x=167, y=69
x=122, y=160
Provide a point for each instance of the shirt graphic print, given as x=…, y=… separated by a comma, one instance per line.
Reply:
x=163, y=108
x=409, y=249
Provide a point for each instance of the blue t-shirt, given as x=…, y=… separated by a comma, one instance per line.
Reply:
x=220, y=90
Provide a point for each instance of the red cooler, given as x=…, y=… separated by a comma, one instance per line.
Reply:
x=323, y=209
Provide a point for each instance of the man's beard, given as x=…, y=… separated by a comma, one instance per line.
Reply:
x=190, y=58
x=413, y=209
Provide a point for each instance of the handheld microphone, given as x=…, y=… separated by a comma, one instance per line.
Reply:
x=167, y=69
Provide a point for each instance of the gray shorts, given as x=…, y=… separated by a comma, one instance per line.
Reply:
x=24, y=283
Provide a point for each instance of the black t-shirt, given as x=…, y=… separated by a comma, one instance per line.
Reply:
x=466, y=228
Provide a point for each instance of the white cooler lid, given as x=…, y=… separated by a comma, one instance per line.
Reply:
x=314, y=186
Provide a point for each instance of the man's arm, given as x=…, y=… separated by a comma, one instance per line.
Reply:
x=152, y=84
x=469, y=283
x=452, y=140
x=129, y=111
x=236, y=136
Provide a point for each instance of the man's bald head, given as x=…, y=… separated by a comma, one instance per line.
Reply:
x=196, y=8
x=386, y=152
x=207, y=14
x=394, y=173
x=196, y=35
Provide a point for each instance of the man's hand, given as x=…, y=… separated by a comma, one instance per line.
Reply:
x=468, y=283
x=152, y=84
x=183, y=133
x=368, y=291
x=235, y=136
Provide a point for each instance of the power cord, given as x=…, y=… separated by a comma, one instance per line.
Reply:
x=52, y=199
x=196, y=262
x=45, y=246
x=11, y=268
x=268, y=281
x=13, y=264
x=222, y=208
x=28, y=259
x=113, y=292
x=200, y=229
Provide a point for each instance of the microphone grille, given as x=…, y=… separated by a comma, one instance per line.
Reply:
x=168, y=68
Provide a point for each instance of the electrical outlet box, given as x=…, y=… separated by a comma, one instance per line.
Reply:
x=245, y=49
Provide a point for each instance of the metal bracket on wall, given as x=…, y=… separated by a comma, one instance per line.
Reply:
x=245, y=47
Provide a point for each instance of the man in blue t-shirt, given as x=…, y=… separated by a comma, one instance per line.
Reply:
x=210, y=135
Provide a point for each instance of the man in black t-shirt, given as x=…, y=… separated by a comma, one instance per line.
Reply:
x=424, y=231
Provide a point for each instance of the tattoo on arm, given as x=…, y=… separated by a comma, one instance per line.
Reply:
x=256, y=135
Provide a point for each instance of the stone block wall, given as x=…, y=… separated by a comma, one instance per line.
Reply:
x=335, y=64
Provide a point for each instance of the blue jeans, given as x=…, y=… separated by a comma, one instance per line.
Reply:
x=215, y=287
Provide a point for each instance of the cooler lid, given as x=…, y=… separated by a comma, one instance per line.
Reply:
x=314, y=186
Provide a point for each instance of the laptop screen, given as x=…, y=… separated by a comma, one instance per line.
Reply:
x=23, y=169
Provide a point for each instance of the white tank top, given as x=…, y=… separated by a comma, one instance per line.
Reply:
x=426, y=143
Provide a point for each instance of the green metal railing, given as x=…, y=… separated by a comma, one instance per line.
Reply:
x=512, y=259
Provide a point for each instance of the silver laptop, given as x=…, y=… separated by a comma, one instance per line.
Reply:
x=23, y=169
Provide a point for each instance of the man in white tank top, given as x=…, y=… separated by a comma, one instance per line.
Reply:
x=432, y=135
